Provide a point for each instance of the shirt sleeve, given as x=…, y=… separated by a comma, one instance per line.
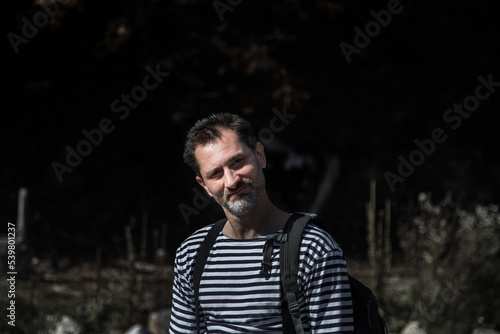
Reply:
x=327, y=291
x=183, y=317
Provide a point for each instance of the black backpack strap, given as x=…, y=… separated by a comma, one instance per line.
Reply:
x=199, y=265
x=289, y=268
x=365, y=304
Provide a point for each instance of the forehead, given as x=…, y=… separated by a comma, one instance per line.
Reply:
x=220, y=151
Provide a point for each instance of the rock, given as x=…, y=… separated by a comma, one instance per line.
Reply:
x=413, y=327
x=62, y=325
x=484, y=331
x=158, y=321
x=114, y=331
x=137, y=329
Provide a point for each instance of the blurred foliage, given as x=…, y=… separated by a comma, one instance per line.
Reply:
x=454, y=255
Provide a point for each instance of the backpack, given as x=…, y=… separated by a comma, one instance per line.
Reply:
x=367, y=319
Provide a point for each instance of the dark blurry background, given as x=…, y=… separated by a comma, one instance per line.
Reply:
x=355, y=117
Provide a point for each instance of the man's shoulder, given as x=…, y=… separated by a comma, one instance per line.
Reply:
x=316, y=237
x=193, y=242
x=198, y=235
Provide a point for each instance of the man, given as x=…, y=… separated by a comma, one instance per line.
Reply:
x=235, y=297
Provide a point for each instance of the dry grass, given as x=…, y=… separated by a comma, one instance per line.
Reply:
x=103, y=300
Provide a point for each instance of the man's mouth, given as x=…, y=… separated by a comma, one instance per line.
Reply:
x=238, y=192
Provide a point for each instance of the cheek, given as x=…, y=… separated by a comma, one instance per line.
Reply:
x=249, y=170
x=215, y=189
x=255, y=172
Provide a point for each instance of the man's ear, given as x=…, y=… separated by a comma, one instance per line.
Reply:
x=202, y=183
x=259, y=151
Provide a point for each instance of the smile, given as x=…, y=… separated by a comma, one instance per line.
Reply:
x=239, y=191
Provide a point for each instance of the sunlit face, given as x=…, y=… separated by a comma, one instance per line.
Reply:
x=231, y=172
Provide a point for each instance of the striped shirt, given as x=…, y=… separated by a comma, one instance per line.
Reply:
x=236, y=298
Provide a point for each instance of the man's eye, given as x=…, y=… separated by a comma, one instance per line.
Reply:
x=216, y=175
x=236, y=162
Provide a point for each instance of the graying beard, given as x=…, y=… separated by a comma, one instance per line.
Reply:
x=241, y=206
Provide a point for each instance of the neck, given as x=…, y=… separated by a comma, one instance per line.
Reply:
x=264, y=218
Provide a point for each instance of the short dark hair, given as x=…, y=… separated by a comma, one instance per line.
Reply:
x=208, y=129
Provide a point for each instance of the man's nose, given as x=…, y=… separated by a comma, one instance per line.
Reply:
x=232, y=179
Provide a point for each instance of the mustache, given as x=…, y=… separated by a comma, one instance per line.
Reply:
x=239, y=185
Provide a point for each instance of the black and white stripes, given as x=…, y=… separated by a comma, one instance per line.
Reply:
x=236, y=298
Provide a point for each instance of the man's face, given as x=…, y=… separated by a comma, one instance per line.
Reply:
x=231, y=173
